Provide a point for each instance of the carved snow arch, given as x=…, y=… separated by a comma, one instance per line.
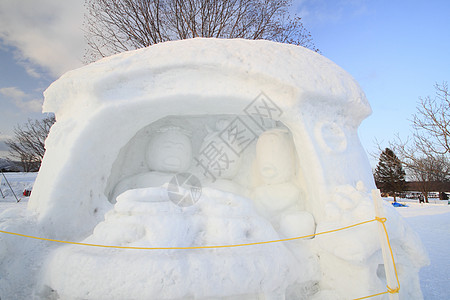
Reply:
x=97, y=116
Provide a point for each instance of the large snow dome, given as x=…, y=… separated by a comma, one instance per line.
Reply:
x=268, y=130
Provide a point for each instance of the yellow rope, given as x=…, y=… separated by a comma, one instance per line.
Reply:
x=393, y=291
x=374, y=295
x=389, y=289
x=382, y=220
x=186, y=248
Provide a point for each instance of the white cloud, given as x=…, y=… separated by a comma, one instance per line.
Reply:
x=33, y=105
x=23, y=101
x=46, y=33
x=12, y=92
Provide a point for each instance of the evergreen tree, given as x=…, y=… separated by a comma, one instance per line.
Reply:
x=389, y=174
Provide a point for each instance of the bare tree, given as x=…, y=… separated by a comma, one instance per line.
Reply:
x=432, y=122
x=427, y=171
x=114, y=26
x=28, y=144
x=431, y=132
x=426, y=155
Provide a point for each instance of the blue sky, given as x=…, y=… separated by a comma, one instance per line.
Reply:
x=396, y=50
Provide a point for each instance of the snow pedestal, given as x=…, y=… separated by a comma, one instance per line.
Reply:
x=270, y=127
x=218, y=218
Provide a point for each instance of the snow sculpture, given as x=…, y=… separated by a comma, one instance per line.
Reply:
x=169, y=152
x=220, y=173
x=279, y=199
x=274, y=97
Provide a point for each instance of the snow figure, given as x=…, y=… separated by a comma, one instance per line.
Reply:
x=219, y=163
x=281, y=202
x=279, y=199
x=96, y=184
x=169, y=152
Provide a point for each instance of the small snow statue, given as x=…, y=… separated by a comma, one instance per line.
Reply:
x=221, y=173
x=278, y=198
x=169, y=152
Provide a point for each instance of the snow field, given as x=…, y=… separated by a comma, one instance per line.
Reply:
x=18, y=182
x=432, y=222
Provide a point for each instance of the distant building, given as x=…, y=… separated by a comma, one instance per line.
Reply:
x=437, y=189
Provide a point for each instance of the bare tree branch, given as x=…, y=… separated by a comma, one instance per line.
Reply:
x=28, y=144
x=431, y=133
x=427, y=171
x=426, y=154
x=114, y=26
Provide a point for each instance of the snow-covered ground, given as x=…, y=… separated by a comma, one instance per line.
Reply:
x=431, y=221
x=18, y=182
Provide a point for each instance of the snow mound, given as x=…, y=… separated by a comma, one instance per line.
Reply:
x=219, y=218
